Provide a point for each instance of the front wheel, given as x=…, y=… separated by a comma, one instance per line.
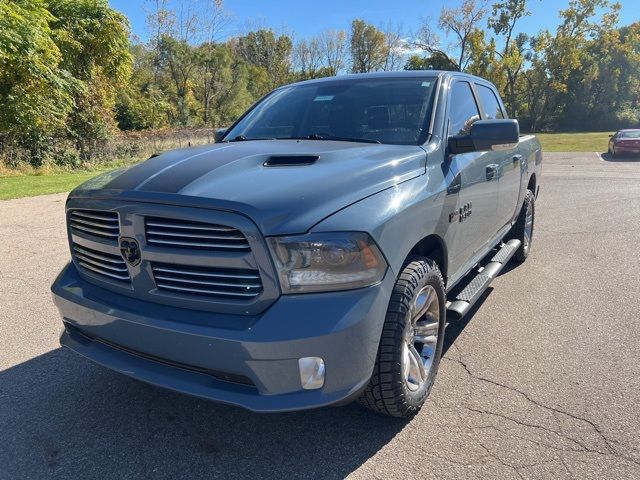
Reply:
x=411, y=343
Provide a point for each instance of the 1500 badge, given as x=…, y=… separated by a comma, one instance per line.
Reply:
x=461, y=214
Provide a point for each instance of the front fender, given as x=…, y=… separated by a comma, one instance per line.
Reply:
x=398, y=217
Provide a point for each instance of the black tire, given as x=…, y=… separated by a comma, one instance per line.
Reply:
x=387, y=391
x=518, y=230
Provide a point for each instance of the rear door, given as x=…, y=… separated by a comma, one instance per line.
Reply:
x=478, y=184
x=509, y=162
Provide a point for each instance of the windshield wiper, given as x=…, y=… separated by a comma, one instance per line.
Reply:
x=239, y=138
x=242, y=138
x=323, y=136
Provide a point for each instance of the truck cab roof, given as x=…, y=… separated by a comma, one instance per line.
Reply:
x=394, y=74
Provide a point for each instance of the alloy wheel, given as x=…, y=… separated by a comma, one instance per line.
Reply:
x=421, y=338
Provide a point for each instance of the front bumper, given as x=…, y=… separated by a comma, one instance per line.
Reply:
x=198, y=352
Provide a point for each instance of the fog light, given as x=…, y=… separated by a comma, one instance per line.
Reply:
x=311, y=372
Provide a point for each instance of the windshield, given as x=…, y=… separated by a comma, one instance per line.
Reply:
x=383, y=110
x=629, y=134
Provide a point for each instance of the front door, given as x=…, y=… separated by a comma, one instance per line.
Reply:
x=478, y=179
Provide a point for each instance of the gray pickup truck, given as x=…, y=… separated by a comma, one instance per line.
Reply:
x=312, y=256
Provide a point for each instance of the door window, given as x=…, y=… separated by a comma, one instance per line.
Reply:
x=492, y=108
x=464, y=110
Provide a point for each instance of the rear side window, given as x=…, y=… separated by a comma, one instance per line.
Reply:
x=629, y=134
x=490, y=102
x=463, y=111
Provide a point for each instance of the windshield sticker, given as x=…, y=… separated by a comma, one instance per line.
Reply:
x=323, y=98
x=426, y=84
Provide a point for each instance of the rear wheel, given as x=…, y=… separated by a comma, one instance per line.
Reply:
x=411, y=344
x=523, y=229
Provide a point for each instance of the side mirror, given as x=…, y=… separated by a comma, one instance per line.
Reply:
x=611, y=136
x=219, y=134
x=486, y=135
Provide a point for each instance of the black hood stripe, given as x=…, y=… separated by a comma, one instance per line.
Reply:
x=131, y=178
x=141, y=174
x=172, y=181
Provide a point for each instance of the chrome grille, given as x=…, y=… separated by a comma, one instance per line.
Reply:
x=97, y=223
x=209, y=281
x=174, y=233
x=101, y=263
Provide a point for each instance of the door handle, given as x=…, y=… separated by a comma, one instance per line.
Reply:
x=492, y=171
x=517, y=158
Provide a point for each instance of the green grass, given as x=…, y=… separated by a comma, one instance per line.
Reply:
x=574, y=142
x=16, y=186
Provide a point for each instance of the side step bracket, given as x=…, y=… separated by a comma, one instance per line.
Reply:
x=483, y=277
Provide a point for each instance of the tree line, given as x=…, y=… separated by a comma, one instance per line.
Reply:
x=71, y=75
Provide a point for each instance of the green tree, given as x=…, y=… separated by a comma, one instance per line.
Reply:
x=36, y=93
x=435, y=61
x=179, y=60
x=561, y=63
x=264, y=49
x=369, y=50
x=221, y=85
x=93, y=40
x=143, y=102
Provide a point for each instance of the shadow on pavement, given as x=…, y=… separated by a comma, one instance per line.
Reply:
x=454, y=329
x=607, y=157
x=63, y=417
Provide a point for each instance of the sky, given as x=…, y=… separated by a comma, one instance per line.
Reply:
x=307, y=18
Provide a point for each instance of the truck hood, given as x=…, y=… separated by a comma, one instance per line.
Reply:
x=279, y=199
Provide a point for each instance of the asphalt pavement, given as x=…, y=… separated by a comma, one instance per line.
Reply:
x=540, y=381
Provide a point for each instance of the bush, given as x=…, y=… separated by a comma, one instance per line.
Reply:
x=122, y=147
x=66, y=158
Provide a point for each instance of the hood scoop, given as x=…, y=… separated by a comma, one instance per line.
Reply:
x=290, y=160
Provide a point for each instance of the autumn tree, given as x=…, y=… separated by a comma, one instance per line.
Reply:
x=208, y=60
x=334, y=50
x=307, y=59
x=513, y=54
x=395, y=46
x=435, y=57
x=462, y=22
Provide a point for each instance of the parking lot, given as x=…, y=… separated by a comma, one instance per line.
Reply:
x=541, y=380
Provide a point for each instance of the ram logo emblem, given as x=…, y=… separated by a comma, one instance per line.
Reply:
x=130, y=250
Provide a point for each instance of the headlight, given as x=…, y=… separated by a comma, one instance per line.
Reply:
x=323, y=262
